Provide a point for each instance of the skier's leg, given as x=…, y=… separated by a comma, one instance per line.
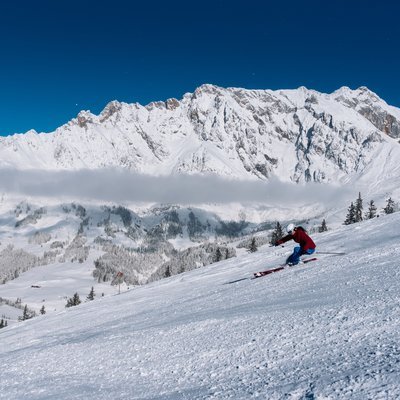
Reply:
x=294, y=258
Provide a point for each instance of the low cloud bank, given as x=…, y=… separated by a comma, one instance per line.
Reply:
x=121, y=186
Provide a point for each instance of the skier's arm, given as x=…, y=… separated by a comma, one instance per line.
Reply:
x=284, y=240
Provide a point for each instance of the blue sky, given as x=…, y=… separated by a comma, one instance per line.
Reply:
x=59, y=57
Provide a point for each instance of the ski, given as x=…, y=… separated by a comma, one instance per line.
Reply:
x=257, y=275
x=308, y=260
x=267, y=272
x=280, y=268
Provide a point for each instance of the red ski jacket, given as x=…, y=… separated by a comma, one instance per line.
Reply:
x=299, y=236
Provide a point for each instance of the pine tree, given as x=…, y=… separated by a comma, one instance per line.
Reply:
x=350, y=218
x=91, y=294
x=323, y=227
x=276, y=234
x=358, y=209
x=371, y=213
x=73, y=301
x=2, y=324
x=218, y=255
x=253, y=245
x=77, y=300
x=389, y=209
x=42, y=310
x=25, y=314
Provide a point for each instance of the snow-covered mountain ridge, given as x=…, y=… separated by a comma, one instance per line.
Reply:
x=325, y=330
x=296, y=135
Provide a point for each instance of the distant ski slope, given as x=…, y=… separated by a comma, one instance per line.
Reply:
x=326, y=330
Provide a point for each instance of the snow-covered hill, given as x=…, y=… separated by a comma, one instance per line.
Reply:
x=63, y=242
x=295, y=135
x=325, y=330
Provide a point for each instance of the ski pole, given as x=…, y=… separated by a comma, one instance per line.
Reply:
x=331, y=252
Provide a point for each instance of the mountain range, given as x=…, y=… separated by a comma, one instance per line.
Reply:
x=296, y=135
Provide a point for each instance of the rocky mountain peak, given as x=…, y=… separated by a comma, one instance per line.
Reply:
x=296, y=135
x=110, y=109
x=83, y=119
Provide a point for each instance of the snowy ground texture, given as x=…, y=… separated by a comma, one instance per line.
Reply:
x=325, y=330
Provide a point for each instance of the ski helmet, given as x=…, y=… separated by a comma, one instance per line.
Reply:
x=290, y=228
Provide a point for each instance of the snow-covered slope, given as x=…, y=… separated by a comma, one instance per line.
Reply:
x=325, y=330
x=68, y=245
x=295, y=135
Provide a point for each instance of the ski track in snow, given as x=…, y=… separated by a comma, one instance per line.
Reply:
x=325, y=330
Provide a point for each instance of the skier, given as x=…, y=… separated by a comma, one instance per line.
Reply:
x=299, y=235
